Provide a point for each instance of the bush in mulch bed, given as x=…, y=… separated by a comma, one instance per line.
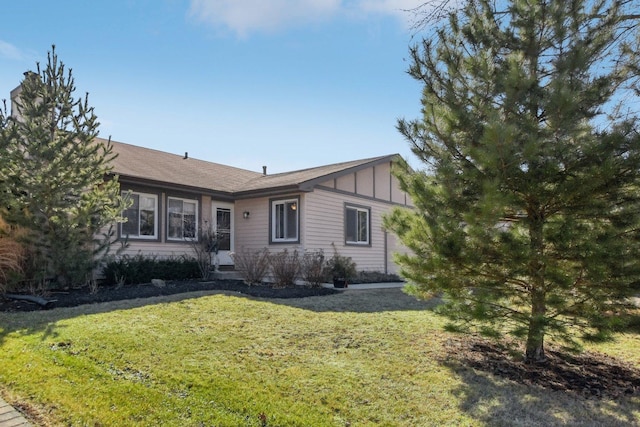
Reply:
x=74, y=297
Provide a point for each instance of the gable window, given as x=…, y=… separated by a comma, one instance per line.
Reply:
x=182, y=218
x=284, y=220
x=141, y=217
x=357, y=220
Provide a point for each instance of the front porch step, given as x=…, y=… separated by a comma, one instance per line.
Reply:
x=225, y=275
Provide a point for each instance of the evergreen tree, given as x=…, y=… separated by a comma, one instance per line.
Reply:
x=527, y=211
x=54, y=176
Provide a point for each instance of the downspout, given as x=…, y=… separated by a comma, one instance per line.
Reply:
x=386, y=253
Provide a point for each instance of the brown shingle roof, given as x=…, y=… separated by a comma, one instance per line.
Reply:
x=146, y=164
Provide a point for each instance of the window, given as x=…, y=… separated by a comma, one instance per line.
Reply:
x=182, y=219
x=284, y=220
x=357, y=225
x=141, y=217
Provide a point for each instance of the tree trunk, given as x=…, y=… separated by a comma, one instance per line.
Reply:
x=535, y=338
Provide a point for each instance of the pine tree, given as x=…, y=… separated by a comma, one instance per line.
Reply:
x=54, y=176
x=527, y=211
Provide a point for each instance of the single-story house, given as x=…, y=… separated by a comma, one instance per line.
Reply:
x=338, y=205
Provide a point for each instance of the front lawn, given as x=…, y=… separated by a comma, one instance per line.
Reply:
x=352, y=359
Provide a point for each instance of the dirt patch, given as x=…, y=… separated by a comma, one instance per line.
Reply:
x=80, y=296
x=587, y=374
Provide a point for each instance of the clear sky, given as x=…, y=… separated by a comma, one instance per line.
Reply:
x=289, y=84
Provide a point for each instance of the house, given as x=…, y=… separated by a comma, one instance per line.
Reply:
x=338, y=205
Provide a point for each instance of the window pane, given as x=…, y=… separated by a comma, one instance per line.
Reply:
x=175, y=225
x=175, y=206
x=147, y=216
x=363, y=225
x=189, y=226
x=182, y=219
x=279, y=221
x=351, y=225
x=189, y=208
x=130, y=227
x=147, y=223
x=292, y=220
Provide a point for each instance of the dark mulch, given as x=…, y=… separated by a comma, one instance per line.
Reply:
x=75, y=297
x=587, y=374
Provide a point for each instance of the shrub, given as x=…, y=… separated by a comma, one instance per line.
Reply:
x=252, y=265
x=375, y=277
x=11, y=258
x=341, y=267
x=285, y=267
x=140, y=268
x=312, y=268
x=204, y=247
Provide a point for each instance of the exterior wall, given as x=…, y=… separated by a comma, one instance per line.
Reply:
x=326, y=230
x=253, y=232
x=322, y=219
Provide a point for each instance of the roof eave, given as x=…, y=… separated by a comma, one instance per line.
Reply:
x=163, y=185
x=271, y=191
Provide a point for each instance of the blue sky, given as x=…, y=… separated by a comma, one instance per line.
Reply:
x=285, y=83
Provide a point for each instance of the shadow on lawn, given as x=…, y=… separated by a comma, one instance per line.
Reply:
x=587, y=389
x=493, y=402
x=360, y=301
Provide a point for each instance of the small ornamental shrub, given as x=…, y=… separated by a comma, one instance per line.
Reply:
x=285, y=267
x=341, y=267
x=252, y=265
x=312, y=268
x=129, y=270
x=11, y=257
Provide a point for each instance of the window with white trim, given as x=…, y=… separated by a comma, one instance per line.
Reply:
x=182, y=219
x=357, y=225
x=285, y=220
x=141, y=217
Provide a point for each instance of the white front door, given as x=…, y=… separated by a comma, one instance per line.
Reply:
x=223, y=226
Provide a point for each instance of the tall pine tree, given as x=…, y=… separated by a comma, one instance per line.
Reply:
x=53, y=176
x=527, y=214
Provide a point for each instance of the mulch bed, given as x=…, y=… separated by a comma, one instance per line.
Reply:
x=587, y=374
x=75, y=297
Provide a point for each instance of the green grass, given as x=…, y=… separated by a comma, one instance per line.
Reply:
x=359, y=358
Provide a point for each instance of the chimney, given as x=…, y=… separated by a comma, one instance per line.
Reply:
x=264, y=170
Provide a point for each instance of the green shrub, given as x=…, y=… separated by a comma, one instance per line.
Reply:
x=375, y=277
x=128, y=270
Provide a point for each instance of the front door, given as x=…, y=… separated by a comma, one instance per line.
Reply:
x=223, y=223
